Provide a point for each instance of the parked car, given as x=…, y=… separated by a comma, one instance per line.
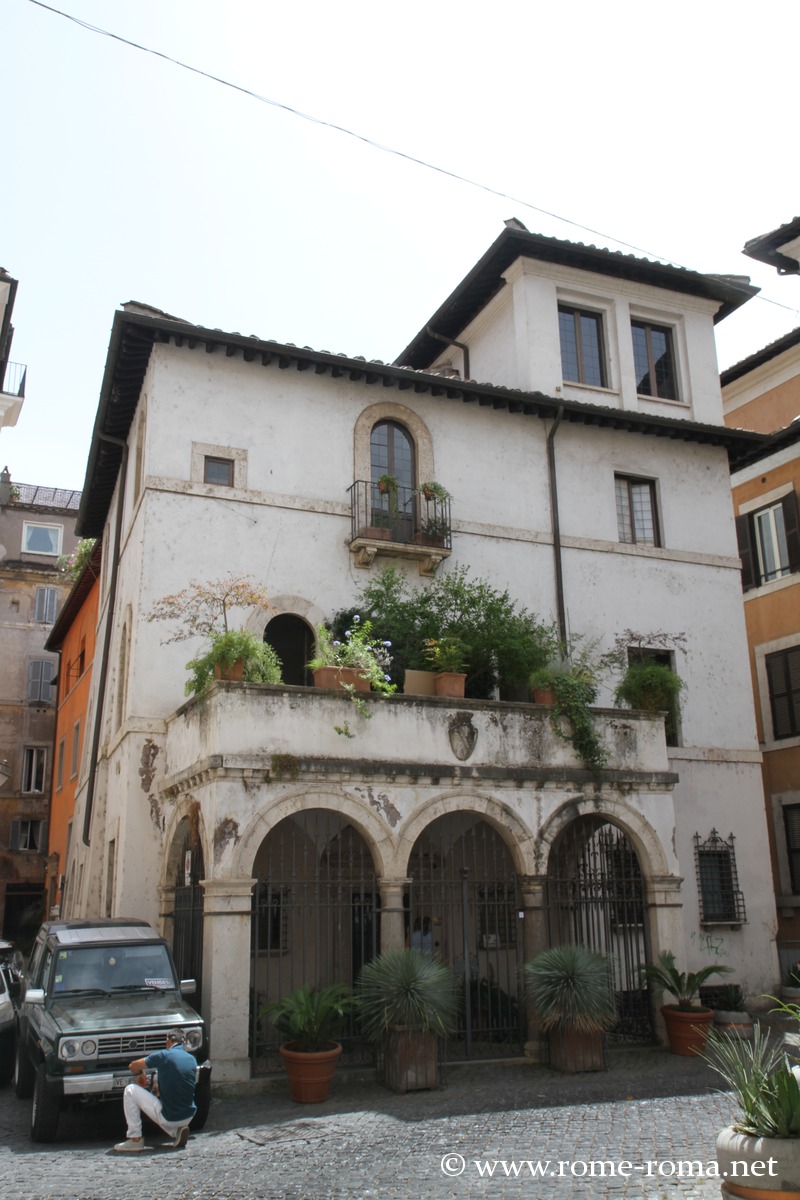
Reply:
x=96, y=995
x=9, y=991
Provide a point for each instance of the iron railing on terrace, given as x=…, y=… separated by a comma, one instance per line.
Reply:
x=13, y=379
x=401, y=514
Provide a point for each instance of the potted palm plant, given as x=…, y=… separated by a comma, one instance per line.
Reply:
x=572, y=993
x=405, y=1001
x=687, y=1022
x=310, y=1020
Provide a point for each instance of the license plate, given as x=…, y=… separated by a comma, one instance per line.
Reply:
x=122, y=1081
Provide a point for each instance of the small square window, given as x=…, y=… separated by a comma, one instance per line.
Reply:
x=637, y=519
x=582, y=358
x=654, y=360
x=218, y=471
x=42, y=539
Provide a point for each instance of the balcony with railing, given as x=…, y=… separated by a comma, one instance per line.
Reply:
x=399, y=522
x=14, y=380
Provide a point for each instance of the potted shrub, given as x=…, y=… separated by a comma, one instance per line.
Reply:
x=431, y=490
x=654, y=687
x=572, y=993
x=355, y=662
x=405, y=1000
x=571, y=684
x=447, y=658
x=687, y=1022
x=767, y=1129
x=310, y=1020
x=236, y=655
x=433, y=523
x=731, y=1017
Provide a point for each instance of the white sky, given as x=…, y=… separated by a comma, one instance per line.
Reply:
x=672, y=128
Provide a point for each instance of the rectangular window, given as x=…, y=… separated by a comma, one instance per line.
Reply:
x=582, y=358
x=654, y=362
x=721, y=901
x=41, y=672
x=218, y=471
x=27, y=835
x=60, y=764
x=45, y=605
x=769, y=542
x=783, y=679
x=76, y=750
x=637, y=519
x=34, y=760
x=791, y=821
x=42, y=539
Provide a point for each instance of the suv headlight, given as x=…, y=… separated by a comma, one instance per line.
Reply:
x=75, y=1048
x=194, y=1039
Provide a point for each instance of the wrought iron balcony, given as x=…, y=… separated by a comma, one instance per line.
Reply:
x=14, y=380
x=399, y=522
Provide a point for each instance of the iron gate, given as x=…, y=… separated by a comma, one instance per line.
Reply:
x=596, y=898
x=315, y=920
x=187, y=914
x=464, y=908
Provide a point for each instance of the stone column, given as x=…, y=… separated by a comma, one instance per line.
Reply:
x=535, y=939
x=393, y=914
x=665, y=926
x=226, y=974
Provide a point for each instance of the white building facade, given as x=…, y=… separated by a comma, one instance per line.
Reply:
x=590, y=476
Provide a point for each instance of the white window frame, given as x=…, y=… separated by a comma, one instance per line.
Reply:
x=34, y=765
x=21, y=831
x=29, y=526
x=771, y=538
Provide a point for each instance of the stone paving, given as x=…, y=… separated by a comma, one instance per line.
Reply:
x=365, y=1143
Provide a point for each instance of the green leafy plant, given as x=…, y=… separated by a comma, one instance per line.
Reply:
x=72, y=564
x=683, y=985
x=388, y=485
x=761, y=1078
x=446, y=653
x=309, y=1019
x=731, y=999
x=357, y=648
x=260, y=663
x=408, y=989
x=571, y=988
x=430, y=490
x=573, y=676
x=791, y=977
x=655, y=687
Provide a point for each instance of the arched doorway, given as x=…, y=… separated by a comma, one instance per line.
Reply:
x=186, y=870
x=315, y=919
x=596, y=898
x=292, y=639
x=464, y=907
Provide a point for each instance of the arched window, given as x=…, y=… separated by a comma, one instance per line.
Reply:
x=392, y=456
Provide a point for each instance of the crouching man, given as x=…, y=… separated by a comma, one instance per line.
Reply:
x=170, y=1104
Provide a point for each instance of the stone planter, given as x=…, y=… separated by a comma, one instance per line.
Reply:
x=687, y=1030
x=310, y=1074
x=736, y=1152
x=340, y=677
x=419, y=683
x=449, y=683
x=737, y=1024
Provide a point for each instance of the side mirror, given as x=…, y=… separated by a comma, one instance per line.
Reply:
x=188, y=987
x=34, y=996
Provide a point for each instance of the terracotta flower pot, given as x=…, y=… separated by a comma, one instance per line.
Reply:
x=687, y=1030
x=339, y=677
x=544, y=696
x=310, y=1074
x=233, y=673
x=449, y=683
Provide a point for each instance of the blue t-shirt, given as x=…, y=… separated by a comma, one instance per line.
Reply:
x=176, y=1075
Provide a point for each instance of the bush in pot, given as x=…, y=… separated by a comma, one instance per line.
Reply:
x=654, y=687
x=572, y=992
x=573, y=679
x=687, y=1022
x=310, y=1019
x=405, y=1000
x=236, y=654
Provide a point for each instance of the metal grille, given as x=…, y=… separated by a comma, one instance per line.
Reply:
x=315, y=920
x=134, y=1044
x=596, y=899
x=402, y=514
x=721, y=901
x=187, y=927
x=464, y=907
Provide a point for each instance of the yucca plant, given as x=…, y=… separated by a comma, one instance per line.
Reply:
x=762, y=1081
x=571, y=989
x=683, y=985
x=408, y=989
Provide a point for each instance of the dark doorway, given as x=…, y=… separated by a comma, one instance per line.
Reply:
x=293, y=641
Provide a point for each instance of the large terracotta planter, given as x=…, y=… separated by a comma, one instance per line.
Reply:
x=310, y=1074
x=573, y=1051
x=340, y=677
x=735, y=1149
x=544, y=696
x=233, y=673
x=419, y=683
x=687, y=1031
x=410, y=1061
x=449, y=683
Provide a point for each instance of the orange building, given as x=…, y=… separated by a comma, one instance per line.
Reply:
x=763, y=393
x=73, y=638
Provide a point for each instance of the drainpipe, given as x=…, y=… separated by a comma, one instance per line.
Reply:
x=556, y=527
x=103, y=676
x=452, y=342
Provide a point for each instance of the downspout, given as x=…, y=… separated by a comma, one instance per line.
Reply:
x=556, y=526
x=112, y=596
x=448, y=341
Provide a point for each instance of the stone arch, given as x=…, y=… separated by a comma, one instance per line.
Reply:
x=518, y=838
x=186, y=813
x=388, y=411
x=182, y=894
x=645, y=840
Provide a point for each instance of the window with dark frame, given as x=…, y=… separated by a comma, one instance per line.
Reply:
x=654, y=361
x=218, y=471
x=783, y=681
x=582, y=350
x=791, y=825
x=637, y=518
x=769, y=542
x=721, y=901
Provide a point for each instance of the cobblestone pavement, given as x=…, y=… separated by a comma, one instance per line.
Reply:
x=368, y=1144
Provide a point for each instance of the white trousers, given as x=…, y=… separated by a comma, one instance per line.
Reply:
x=137, y=1100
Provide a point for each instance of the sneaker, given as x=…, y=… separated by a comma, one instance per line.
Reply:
x=130, y=1147
x=182, y=1138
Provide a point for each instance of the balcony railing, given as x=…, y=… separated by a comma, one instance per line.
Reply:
x=401, y=514
x=14, y=379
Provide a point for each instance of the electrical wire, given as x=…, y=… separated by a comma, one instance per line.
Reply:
x=378, y=145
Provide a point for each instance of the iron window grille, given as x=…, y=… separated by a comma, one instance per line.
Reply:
x=721, y=900
x=582, y=357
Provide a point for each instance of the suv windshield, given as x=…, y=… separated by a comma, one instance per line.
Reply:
x=112, y=968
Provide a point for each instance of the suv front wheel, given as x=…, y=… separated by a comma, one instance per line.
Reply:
x=46, y=1109
x=24, y=1074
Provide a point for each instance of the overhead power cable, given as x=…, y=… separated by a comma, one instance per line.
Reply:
x=296, y=112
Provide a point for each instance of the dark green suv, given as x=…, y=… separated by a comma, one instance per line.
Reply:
x=95, y=996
